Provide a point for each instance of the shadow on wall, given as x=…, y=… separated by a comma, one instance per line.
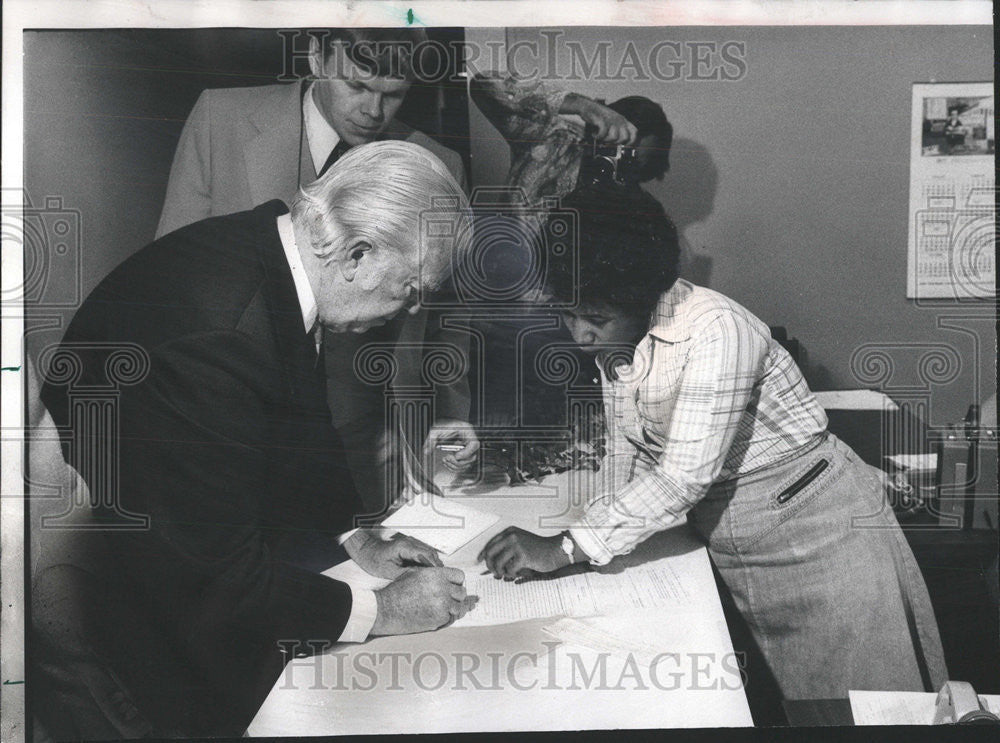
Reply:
x=687, y=192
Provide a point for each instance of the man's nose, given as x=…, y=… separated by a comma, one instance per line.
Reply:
x=373, y=107
x=581, y=336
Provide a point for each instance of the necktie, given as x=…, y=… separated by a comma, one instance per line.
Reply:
x=335, y=155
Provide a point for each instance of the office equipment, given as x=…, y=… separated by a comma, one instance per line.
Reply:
x=873, y=424
x=920, y=708
x=967, y=475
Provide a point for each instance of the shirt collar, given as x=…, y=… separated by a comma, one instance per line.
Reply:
x=322, y=137
x=307, y=300
x=668, y=323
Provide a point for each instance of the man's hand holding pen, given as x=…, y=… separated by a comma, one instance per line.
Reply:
x=445, y=435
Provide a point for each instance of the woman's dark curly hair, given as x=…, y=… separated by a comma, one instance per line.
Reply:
x=624, y=254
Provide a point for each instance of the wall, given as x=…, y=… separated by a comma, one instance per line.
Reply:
x=791, y=186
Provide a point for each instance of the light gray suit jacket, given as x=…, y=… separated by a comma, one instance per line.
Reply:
x=241, y=147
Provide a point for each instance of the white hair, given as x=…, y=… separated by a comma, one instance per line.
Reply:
x=379, y=192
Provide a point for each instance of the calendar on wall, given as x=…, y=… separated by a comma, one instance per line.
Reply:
x=952, y=230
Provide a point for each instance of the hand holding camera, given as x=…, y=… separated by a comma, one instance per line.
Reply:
x=604, y=124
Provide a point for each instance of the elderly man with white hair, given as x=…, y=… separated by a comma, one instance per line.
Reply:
x=226, y=444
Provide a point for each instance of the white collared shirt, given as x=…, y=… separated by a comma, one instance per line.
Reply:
x=321, y=136
x=364, y=606
x=303, y=289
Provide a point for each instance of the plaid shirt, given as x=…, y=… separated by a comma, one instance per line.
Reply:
x=709, y=396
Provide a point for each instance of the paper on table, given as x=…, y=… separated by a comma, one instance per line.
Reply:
x=651, y=585
x=855, y=400
x=914, y=462
x=442, y=523
x=644, y=635
x=902, y=707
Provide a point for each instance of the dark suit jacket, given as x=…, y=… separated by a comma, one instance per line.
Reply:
x=227, y=446
x=241, y=147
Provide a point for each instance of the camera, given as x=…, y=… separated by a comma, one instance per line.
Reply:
x=608, y=164
x=510, y=252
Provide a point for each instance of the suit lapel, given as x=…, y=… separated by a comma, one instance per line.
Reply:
x=295, y=349
x=272, y=156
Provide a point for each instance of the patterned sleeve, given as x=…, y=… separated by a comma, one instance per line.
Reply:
x=717, y=383
x=522, y=110
x=617, y=463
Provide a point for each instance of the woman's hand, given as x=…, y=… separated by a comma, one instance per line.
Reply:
x=515, y=552
x=390, y=558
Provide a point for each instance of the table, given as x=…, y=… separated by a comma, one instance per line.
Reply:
x=515, y=676
x=818, y=712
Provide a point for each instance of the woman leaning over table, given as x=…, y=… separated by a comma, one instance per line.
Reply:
x=710, y=418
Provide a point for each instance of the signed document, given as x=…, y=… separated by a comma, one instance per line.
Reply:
x=580, y=594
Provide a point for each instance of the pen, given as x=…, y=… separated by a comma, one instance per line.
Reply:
x=449, y=447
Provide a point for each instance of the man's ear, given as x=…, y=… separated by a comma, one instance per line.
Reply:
x=356, y=256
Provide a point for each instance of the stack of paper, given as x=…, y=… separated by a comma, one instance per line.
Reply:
x=855, y=400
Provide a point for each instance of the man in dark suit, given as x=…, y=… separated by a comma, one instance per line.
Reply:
x=243, y=146
x=226, y=443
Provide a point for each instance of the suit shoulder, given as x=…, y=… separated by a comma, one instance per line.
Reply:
x=445, y=154
x=201, y=276
x=229, y=101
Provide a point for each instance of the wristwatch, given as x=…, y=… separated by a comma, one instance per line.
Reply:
x=568, y=546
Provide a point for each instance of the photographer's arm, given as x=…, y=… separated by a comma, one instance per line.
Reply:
x=608, y=126
x=524, y=110
x=521, y=110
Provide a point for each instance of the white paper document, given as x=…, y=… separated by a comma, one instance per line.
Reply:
x=855, y=400
x=652, y=585
x=443, y=523
x=902, y=707
x=644, y=635
x=914, y=462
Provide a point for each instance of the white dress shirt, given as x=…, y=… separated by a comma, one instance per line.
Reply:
x=322, y=137
x=364, y=607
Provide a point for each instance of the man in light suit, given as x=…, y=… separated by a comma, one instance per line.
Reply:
x=224, y=444
x=244, y=146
